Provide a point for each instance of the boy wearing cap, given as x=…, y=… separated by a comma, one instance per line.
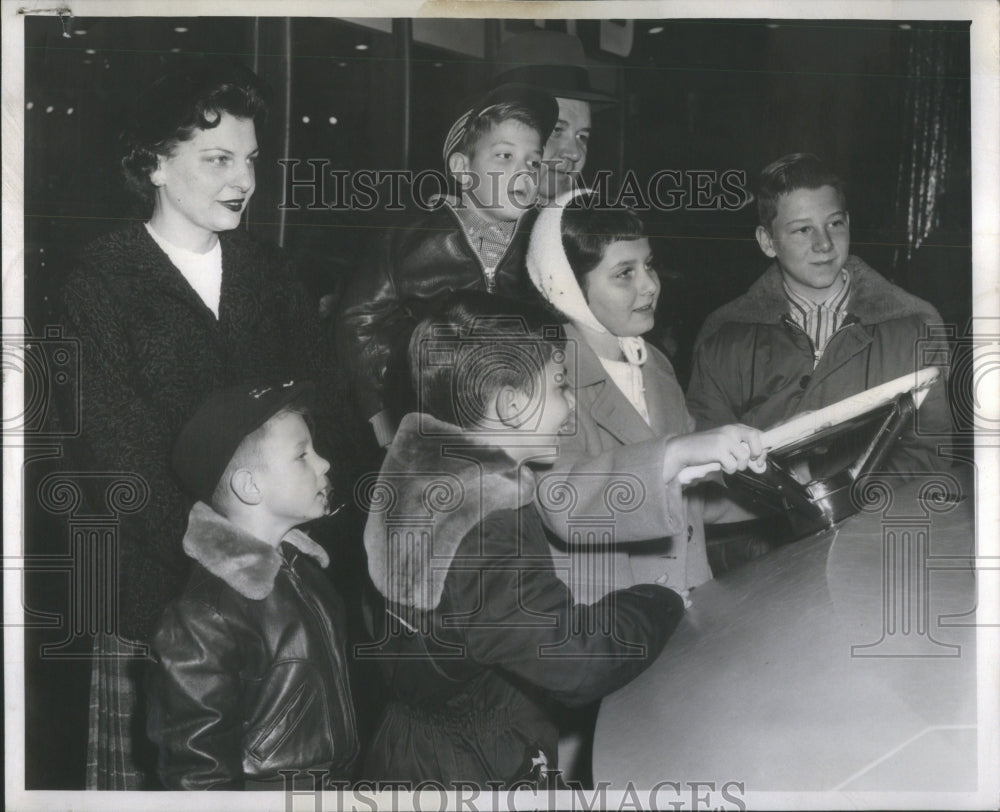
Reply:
x=475, y=241
x=249, y=681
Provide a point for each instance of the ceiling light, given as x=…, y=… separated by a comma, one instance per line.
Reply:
x=656, y=29
x=360, y=47
x=305, y=119
x=180, y=29
x=333, y=119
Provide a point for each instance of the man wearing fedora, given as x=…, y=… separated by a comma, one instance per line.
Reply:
x=554, y=61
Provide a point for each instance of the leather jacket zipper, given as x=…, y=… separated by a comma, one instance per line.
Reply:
x=340, y=664
x=506, y=251
x=489, y=274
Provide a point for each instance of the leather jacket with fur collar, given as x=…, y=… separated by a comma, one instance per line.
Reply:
x=250, y=672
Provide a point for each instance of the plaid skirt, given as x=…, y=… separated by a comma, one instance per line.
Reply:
x=119, y=755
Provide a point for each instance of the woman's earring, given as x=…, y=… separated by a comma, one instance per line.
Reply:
x=156, y=176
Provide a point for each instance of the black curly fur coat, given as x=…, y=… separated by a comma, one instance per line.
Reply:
x=150, y=352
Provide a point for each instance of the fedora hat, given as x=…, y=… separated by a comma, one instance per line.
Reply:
x=548, y=59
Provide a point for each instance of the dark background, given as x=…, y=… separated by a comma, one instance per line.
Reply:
x=710, y=95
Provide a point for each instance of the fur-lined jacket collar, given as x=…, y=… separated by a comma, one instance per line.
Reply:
x=873, y=300
x=436, y=484
x=243, y=561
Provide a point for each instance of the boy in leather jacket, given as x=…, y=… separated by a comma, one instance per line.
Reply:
x=249, y=679
x=475, y=241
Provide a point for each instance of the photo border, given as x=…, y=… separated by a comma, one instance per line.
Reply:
x=985, y=77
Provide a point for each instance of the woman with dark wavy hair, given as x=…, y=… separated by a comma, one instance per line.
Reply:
x=168, y=310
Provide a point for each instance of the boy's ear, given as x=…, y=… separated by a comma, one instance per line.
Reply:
x=511, y=403
x=458, y=165
x=243, y=485
x=765, y=242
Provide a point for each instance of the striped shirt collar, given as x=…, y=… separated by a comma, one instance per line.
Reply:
x=819, y=320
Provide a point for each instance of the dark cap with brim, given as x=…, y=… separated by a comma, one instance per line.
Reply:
x=209, y=439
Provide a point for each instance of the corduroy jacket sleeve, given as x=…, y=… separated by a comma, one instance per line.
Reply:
x=527, y=624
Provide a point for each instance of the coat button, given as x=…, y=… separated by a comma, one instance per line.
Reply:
x=804, y=381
